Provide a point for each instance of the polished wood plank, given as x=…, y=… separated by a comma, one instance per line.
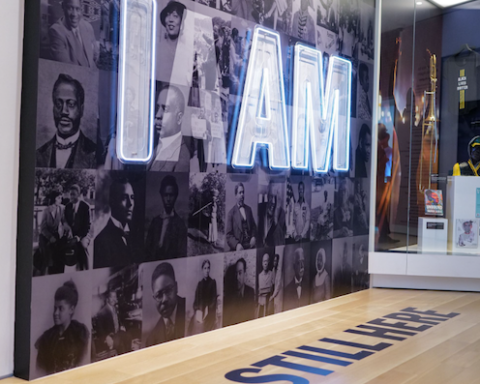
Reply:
x=446, y=353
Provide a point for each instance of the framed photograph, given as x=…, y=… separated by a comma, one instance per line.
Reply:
x=466, y=235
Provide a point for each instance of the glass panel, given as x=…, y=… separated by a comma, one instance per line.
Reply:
x=429, y=117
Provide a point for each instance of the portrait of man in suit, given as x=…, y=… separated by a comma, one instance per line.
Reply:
x=170, y=306
x=240, y=303
x=72, y=39
x=110, y=331
x=343, y=277
x=167, y=234
x=171, y=150
x=296, y=292
x=271, y=223
x=241, y=227
x=301, y=215
x=77, y=216
x=69, y=147
x=112, y=246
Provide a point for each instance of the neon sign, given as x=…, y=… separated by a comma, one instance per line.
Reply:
x=320, y=118
x=136, y=81
x=263, y=117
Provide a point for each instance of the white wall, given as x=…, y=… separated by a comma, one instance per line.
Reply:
x=11, y=41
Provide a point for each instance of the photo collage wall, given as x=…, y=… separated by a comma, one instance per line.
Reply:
x=126, y=257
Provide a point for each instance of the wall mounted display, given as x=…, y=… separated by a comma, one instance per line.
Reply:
x=209, y=167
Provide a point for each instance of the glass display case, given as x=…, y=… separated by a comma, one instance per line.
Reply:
x=427, y=152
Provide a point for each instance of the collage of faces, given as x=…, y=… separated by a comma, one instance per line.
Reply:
x=129, y=256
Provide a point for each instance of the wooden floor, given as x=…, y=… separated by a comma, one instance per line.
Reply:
x=445, y=353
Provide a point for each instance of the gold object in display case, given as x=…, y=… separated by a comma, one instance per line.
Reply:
x=429, y=149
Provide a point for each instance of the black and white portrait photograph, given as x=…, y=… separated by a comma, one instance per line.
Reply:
x=239, y=300
x=296, y=292
x=223, y=5
x=119, y=218
x=361, y=207
x=367, y=30
x=80, y=33
x=212, y=50
x=172, y=148
x=204, y=300
x=343, y=207
x=175, y=42
x=320, y=271
x=107, y=122
x=240, y=44
x=326, y=43
x=269, y=281
x=61, y=327
x=164, y=305
x=116, y=311
x=265, y=281
x=208, y=129
x=213, y=62
x=364, y=92
x=360, y=278
x=466, y=233
x=348, y=28
x=342, y=266
x=297, y=209
x=278, y=267
x=67, y=116
x=206, y=223
x=327, y=14
x=303, y=24
x=242, y=218
x=265, y=13
x=321, y=217
x=62, y=222
x=166, y=216
x=361, y=138
x=271, y=213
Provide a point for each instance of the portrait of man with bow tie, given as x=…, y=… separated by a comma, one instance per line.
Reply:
x=296, y=293
x=241, y=225
x=113, y=246
x=167, y=233
x=69, y=147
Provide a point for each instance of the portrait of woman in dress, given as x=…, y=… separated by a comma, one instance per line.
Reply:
x=65, y=344
x=205, y=304
x=321, y=284
x=213, y=226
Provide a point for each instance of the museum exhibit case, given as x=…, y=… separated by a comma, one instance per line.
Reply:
x=426, y=154
x=186, y=166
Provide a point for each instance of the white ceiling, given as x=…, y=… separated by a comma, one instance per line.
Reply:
x=400, y=13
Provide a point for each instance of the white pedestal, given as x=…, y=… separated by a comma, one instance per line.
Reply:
x=461, y=206
x=432, y=235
